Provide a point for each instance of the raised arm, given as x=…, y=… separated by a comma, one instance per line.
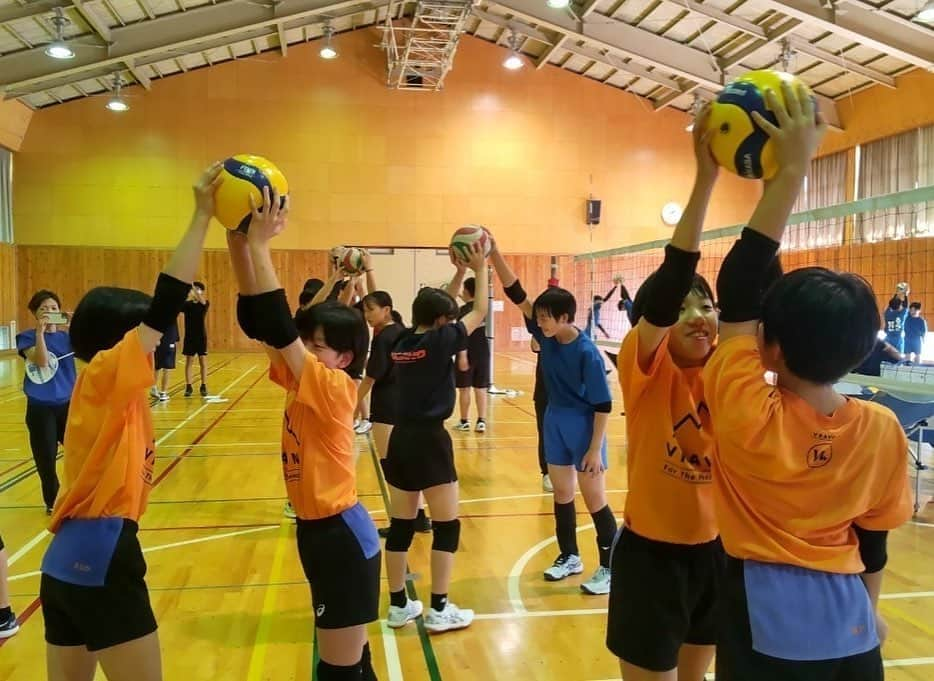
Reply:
x=672, y=281
x=475, y=318
x=276, y=326
x=368, y=268
x=511, y=284
x=183, y=265
x=242, y=263
x=325, y=290
x=752, y=262
x=454, y=286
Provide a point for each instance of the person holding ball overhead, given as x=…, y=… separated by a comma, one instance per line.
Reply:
x=49, y=379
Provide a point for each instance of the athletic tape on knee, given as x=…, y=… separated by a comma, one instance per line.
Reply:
x=401, y=531
x=447, y=535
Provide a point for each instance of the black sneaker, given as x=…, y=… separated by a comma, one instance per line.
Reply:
x=422, y=522
x=48, y=510
x=188, y=390
x=9, y=628
x=204, y=390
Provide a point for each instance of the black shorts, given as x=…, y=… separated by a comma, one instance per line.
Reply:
x=195, y=345
x=100, y=617
x=164, y=356
x=738, y=661
x=420, y=456
x=662, y=596
x=477, y=374
x=341, y=559
x=384, y=403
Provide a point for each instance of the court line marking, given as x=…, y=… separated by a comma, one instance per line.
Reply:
x=391, y=652
x=38, y=538
x=919, y=523
x=528, y=496
x=512, y=581
x=172, y=545
x=260, y=643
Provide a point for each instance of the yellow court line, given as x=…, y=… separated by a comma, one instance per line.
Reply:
x=904, y=616
x=258, y=657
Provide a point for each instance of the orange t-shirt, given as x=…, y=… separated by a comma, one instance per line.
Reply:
x=109, y=440
x=670, y=448
x=790, y=482
x=318, y=438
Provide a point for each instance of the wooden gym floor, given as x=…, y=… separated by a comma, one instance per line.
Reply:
x=229, y=593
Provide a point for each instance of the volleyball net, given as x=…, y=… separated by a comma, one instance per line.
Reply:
x=886, y=239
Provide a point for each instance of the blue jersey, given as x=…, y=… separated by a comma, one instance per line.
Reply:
x=915, y=328
x=895, y=327
x=575, y=376
x=50, y=386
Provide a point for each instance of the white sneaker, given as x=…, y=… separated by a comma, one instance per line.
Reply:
x=163, y=397
x=481, y=427
x=363, y=427
x=288, y=511
x=448, y=619
x=546, y=483
x=154, y=392
x=399, y=617
x=462, y=426
x=599, y=584
x=565, y=565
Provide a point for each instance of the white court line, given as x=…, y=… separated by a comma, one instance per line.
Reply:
x=227, y=444
x=919, y=523
x=39, y=537
x=391, y=650
x=162, y=547
x=512, y=581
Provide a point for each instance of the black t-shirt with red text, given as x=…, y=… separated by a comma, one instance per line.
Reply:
x=424, y=365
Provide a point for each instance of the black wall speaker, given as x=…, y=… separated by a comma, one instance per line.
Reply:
x=593, y=212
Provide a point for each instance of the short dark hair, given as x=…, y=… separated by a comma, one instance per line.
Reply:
x=896, y=303
x=343, y=327
x=813, y=308
x=470, y=285
x=103, y=317
x=431, y=303
x=915, y=306
x=40, y=297
x=699, y=287
x=199, y=285
x=556, y=301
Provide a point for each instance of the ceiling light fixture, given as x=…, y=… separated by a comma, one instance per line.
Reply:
x=117, y=103
x=514, y=60
x=57, y=49
x=557, y=4
x=328, y=52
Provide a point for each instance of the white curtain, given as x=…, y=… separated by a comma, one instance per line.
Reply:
x=890, y=165
x=825, y=185
x=925, y=221
x=6, y=196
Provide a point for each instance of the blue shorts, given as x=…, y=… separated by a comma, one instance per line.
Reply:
x=913, y=344
x=567, y=436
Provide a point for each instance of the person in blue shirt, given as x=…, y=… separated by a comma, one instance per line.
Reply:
x=593, y=314
x=575, y=422
x=49, y=380
x=916, y=329
x=895, y=315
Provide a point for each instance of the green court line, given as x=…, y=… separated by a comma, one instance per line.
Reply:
x=434, y=672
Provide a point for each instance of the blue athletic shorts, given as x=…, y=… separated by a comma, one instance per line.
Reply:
x=567, y=436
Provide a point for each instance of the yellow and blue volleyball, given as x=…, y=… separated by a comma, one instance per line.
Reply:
x=738, y=143
x=463, y=240
x=245, y=176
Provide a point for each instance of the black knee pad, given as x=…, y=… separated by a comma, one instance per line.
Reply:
x=330, y=672
x=401, y=531
x=447, y=535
